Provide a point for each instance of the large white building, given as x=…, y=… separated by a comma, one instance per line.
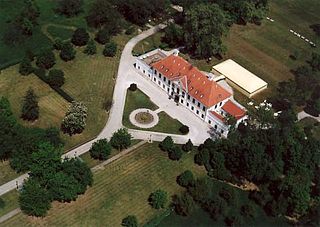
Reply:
x=190, y=87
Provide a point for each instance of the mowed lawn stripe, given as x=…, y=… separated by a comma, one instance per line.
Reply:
x=122, y=188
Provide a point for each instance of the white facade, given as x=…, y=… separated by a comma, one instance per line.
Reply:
x=175, y=90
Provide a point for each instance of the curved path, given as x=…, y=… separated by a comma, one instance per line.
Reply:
x=127, y=75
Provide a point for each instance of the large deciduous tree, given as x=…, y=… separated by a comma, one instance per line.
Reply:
x=158, y=199
x=121, y=139
x=46, y=59
x=80, y=37
x=55, y=78
x=69, y=8
x=100, y=149
x=204, y=26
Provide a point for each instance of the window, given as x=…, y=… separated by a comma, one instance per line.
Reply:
x=183, y=94
x=197, y=111
x=169, y=82
x=220, y=104
x=144, y=71
x=204, y=108
x=160, y=75
x=149, y=75
x=187, y=104
x=188, y=97
x=168, y=89
x=154, y=79
x=164, y=79
x=198, y=104
x=215, y=106
x=155, y=72
x=138, y=67
x=222, y=131
x=215, y=126
x=164, y=87
x=193, y=100
x=178, y=90
x=159, y=82
x=209, y=122
x=192, y=107
x=181, y=100
x=202, y=116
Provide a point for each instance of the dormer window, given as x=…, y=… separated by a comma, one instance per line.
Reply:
x=201, y=96
x=196, y=92
x=162, y=66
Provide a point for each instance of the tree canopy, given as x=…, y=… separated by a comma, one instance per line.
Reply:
x=30, y=107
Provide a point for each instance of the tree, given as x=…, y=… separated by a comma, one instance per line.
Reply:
x=158, y=199
x=173, y=35
x=175, y=153
x=79, y=171
x=110, y=49
x=67, y=52
x=100, y=149
x=34, y=200
x=186, y=179
x=167, y=144
x=188, y=146
x=121, y=139
x=75, y=120
x=25, y=67
x=315, y=61
x=184, y=129
x=130, y=221
x=102, y=36
x=200, y=21
x=202, y=157
x=63, y=187
x=69, y=8
x=218, y=169
x=248, y=210
x=97, y=16
x=91, y=48
x=183, y=204
x=80, y=37
x=55, y=78
x=46, y=59
x=30, y=107
x=133, y=87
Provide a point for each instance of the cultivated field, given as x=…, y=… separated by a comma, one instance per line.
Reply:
x=122, y=188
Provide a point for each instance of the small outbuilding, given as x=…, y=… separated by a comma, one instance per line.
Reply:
x=240, y=78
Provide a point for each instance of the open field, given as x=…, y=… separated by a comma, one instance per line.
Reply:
x=122, y=188
x=11, y=202
x=137, y=99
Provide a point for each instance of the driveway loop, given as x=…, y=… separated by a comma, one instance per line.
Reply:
x=144, y=118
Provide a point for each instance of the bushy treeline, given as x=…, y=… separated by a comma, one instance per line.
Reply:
x=282, y=160
x=203, y=23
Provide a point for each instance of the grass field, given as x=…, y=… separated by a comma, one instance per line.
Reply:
x=11, y=202
x=122, y=188
x=59, y=32
x=137, y=99
x=148, y=44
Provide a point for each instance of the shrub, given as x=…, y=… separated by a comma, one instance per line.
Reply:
x=158, y=199
x=121, y=139
x=188, y=146
x=133, y=87
x=55, y=78
x=130, y=221
x=186, y=179
x=41, y=73
x=46, y=59
x=25, y=67
x=102, y=36
x=107, y=105
x=67, y=52
x=58, y=44
x=69, y=8
x=2, y=203
x=184, y=129
x=91, y=48
x=130, y=30
x=110, y=49
x=175, y=153
x=167, y=144
x=75, y=120
x=184, y=204
x=80, y=37
x=100, y=149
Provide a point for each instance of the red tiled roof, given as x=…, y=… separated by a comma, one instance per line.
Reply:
x=199, y=86
x=217, y=115
x=233, y=109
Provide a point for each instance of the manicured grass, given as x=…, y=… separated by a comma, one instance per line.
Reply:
x=59, y=32
x=307, y=122
x=148, y=44
x=11, y=202
x=14, y=87
x=7, y=173
x=137, y=99
x=122, y=188
x=93, y=162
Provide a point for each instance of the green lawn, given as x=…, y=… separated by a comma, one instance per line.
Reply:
x=11, y=202
x=148, y=44
x=137, y=99
x=59, y=32
x=122, y=188
x=307, y=122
